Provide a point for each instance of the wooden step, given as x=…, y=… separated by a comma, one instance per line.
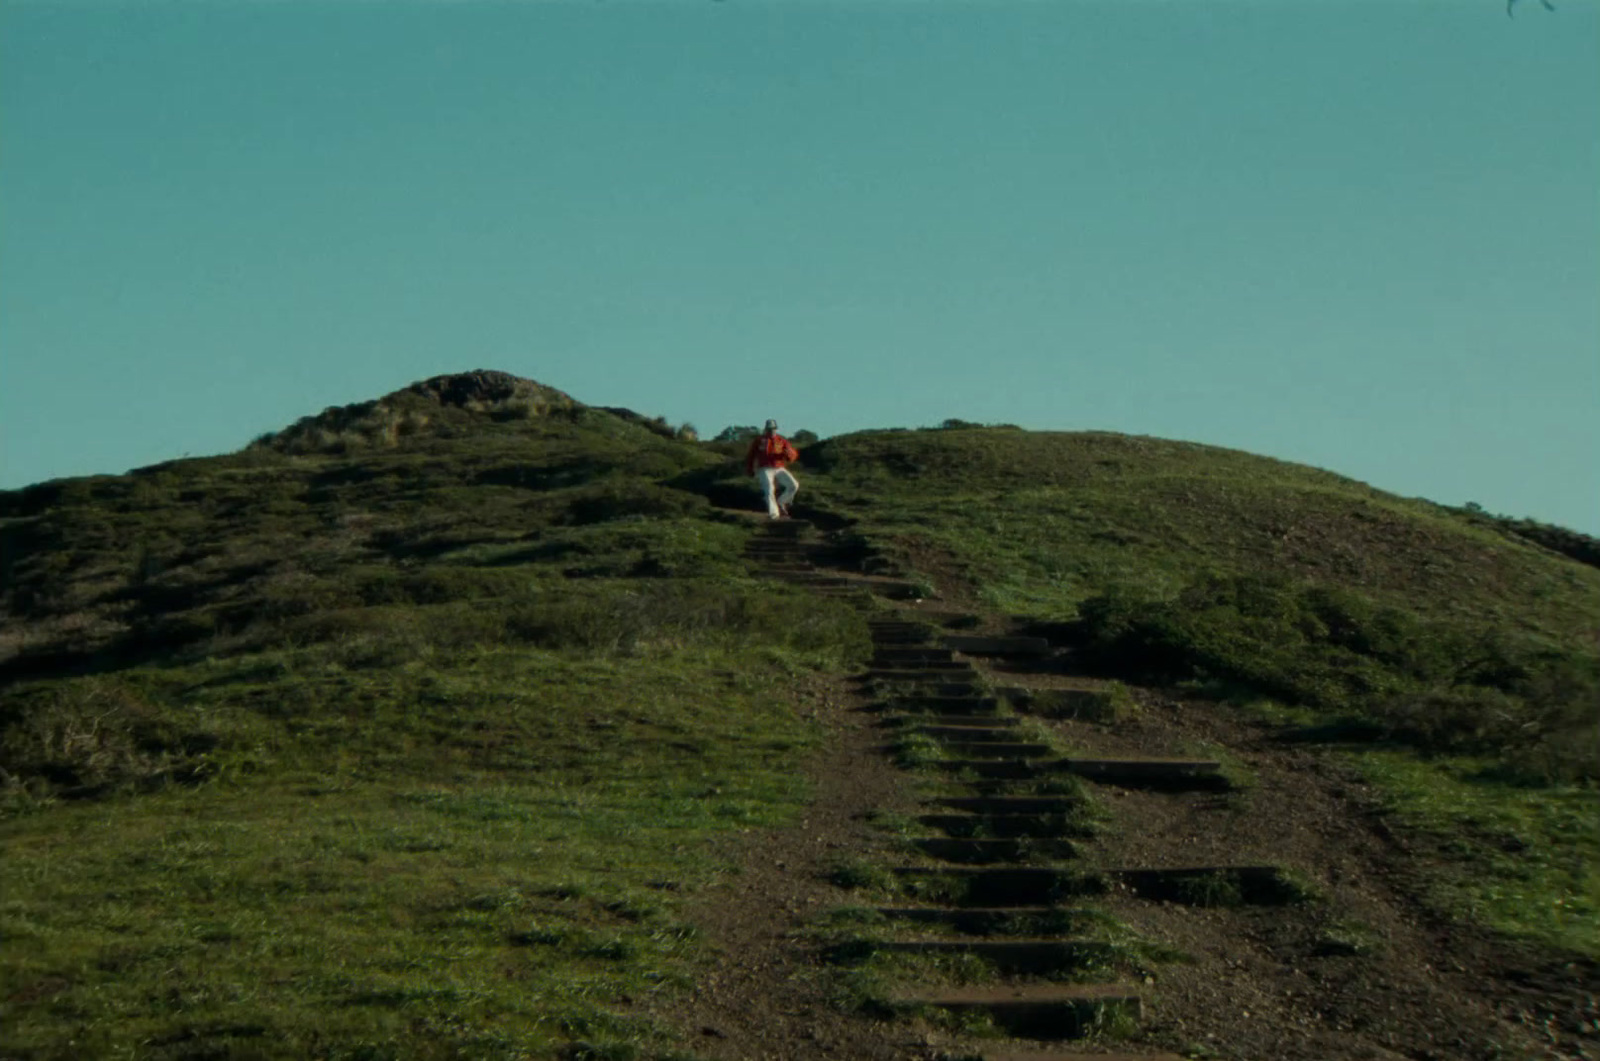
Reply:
x=921, y=657
x=914, y=670
x=954, y=674
x=997, y=749
x=992, y=769
x=979, y=645
x=971, y=730
x=1000, y=886
x=1010, y=955
x=898, y=640
x=1071, y=1055
x=1044, y=1011
x=1161, y=774
x=1009, y=805
x=943, y=707
x=988, y=851
x=1000, y=826
x=941, y=721
x=997, y=920
x=1005, y=886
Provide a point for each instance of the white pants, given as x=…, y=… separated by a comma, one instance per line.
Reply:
x=768, y=478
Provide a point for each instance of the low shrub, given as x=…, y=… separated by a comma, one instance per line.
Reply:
x=1429, y=684
x=92, y=735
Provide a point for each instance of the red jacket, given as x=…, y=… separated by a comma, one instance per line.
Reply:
x=769, y=451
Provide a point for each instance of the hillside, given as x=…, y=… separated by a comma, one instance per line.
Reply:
x=1181, y=561
x=414, y=729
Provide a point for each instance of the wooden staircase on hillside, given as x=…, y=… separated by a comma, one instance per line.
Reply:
x=1003, y=868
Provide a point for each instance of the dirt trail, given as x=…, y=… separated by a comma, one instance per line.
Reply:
x=1363, y=972
x=768, y=996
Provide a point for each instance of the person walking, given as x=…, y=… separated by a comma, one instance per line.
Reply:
x=769, y=452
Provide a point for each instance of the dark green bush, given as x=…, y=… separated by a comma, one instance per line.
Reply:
x=91, y=735
x=1436, y=686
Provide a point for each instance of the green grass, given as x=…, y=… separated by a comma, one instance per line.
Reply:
x=1446, y=635
x=484, y=858
x=1043, y=521
x=1523, y=859
x=369, y=743
x=407, y=731
x=1190, y=562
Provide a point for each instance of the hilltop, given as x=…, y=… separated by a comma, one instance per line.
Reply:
x=412, y=729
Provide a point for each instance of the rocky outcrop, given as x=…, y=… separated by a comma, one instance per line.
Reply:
x=427, y=405
x=483, y=388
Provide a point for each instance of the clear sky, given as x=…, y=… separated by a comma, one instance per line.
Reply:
x=1360, y=234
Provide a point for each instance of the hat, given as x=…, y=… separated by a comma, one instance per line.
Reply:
x=772, y=425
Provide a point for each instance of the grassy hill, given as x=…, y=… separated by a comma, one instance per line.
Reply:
x=406, y=731
x=1181, y=561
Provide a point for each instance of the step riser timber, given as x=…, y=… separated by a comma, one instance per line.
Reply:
x=998, y=749
x=1013, y=957
x=925, y=670
x=1012, y=805
x=1001, y=887
x=988, y=921
x=953, y=693
x=969, y=734
x=990, y=852
x=932, y=710
x=1058, y=1055
x=975, y=645
x=922, y=698
x=1004, y=826
x=1044, y=886
x=992, y=769
x=920, y=723
x=1154, y=774
x=921, y=658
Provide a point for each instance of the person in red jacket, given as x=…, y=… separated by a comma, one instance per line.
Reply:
x=769, y=452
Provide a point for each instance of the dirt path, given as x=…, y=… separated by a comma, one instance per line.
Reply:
x=1362, y=973
x=768, y=996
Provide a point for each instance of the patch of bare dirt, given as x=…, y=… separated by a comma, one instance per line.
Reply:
x=767, y=995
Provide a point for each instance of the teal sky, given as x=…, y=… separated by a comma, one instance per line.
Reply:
x=1360, y=234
